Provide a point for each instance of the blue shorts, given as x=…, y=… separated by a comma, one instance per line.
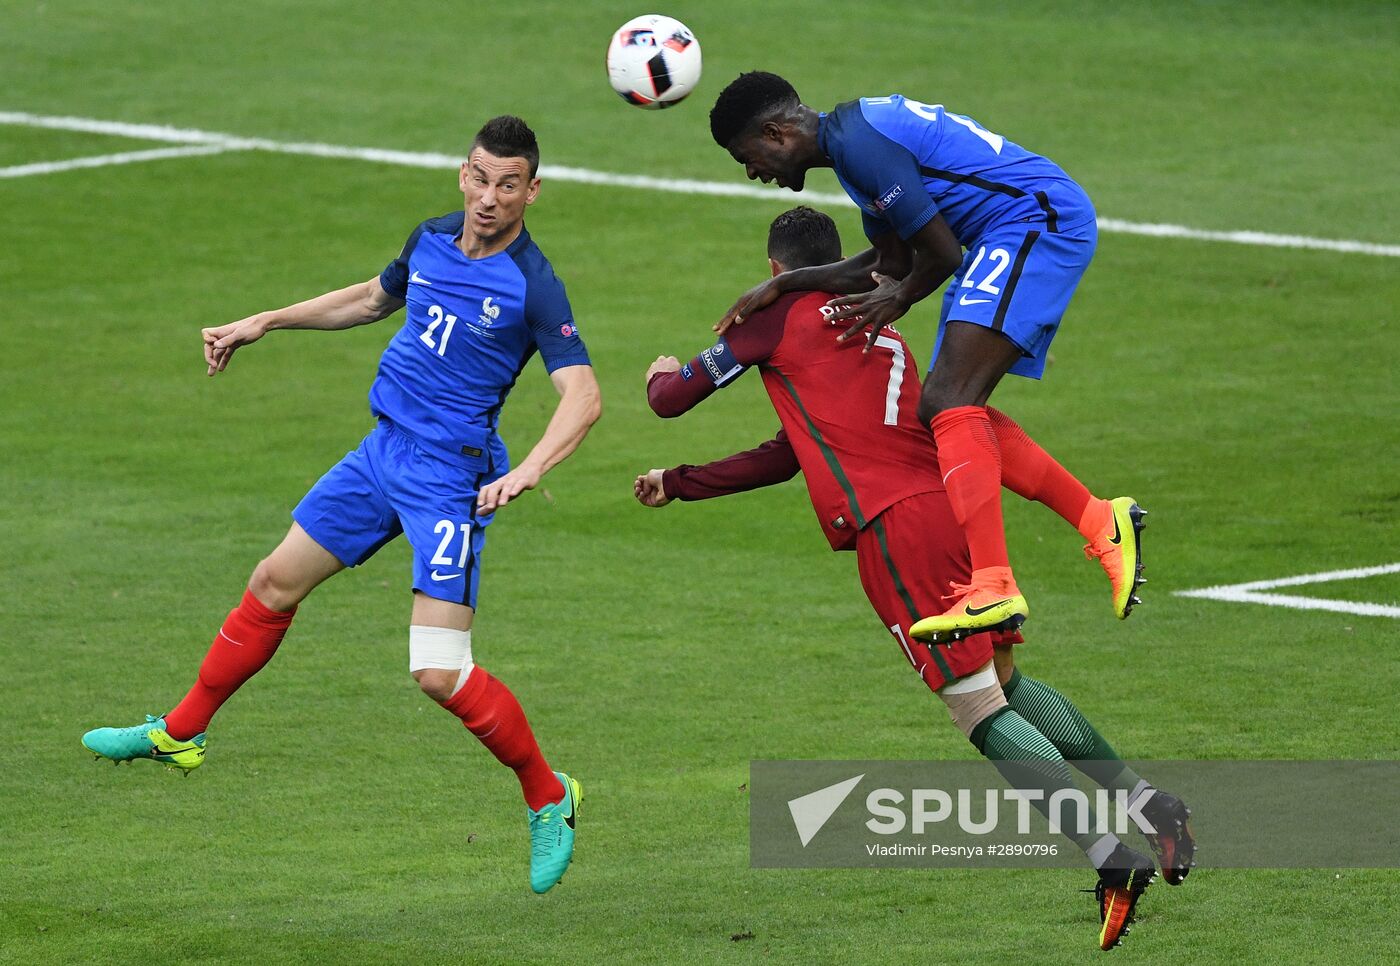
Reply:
x=394, y=484
x=1018, y=279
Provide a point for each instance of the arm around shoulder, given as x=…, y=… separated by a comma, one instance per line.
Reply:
x=848, y=275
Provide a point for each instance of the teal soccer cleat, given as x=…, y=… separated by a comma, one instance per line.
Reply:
x=552, y=836
x=148, y=740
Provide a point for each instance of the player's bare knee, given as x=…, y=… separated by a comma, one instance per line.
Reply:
x=440, y=659
x=928, y=409
x=941, y=394
x=972, y=698
x=436, y=683
x=937, y=396
x=272, y=587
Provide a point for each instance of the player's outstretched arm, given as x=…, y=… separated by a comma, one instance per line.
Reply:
x=765, y=465
x=344, y=308
x=848, y=275
x=580, y=405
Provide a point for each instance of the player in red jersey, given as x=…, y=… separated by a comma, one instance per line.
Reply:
x=930, y=183
x=850, y=425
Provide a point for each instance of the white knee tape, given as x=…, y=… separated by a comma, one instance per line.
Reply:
x=441, y=648
x=975, y=681
x=972, y=698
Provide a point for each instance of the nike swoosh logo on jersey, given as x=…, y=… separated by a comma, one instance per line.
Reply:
x=438, y=576
x=978, y=611
x=967, y=301
x=415, y=277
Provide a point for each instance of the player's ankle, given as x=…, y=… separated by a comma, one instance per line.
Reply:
x=998, y=578
x=1093, y=523
x=1098, y=849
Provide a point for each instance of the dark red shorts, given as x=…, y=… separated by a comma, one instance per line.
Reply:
x=908, y=556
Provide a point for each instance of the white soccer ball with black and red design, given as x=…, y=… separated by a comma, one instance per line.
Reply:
x=654, y=61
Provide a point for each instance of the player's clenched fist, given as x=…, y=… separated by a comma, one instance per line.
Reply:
x=221, y=341
x=662, y=364
x=649, y=491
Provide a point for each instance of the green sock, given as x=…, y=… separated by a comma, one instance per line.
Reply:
x=1056, y=717
x=1028, y=759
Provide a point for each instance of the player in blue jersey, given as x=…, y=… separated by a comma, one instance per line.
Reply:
x=481, y=299
x=943, y=198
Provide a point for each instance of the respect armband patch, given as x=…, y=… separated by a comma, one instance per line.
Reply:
x=720, y=364
x=886, y=200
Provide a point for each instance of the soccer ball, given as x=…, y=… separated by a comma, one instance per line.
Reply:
x=654, y=61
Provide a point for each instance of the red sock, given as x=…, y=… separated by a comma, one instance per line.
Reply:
x=1029, y=471
x=490, y=712
x=970, y=459
x=244, y=644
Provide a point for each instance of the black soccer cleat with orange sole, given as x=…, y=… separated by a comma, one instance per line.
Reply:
x=1173, y=844
x=1122, y=881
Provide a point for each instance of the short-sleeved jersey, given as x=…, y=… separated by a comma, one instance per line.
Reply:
x=903, y=162
x=470, y=326
x=851, y=417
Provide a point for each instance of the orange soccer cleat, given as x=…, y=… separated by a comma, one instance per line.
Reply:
x=990, y=602
x=1119, y=551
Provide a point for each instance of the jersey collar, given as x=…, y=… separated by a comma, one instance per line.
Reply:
x=513, y=249
x=522, y=240
x=823, y=129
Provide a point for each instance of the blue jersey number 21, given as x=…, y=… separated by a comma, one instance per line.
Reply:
x=439, y=317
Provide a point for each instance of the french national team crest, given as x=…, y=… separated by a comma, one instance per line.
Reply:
x=489, y=312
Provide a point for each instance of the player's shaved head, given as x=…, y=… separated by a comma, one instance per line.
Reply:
x=750, y=98
x=802, y=237
x=508, y=136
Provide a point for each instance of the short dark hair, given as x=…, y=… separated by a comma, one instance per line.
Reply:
x=508, y=136
x=748, y=98
x=802, y=236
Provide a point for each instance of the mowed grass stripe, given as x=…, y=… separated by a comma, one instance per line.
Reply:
x=419, y=159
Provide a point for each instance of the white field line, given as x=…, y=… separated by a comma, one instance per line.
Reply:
x=416, y=159
x=1249, y=593
x=103, y=160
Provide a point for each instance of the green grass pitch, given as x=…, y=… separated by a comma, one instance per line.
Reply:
x=1246, y=395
